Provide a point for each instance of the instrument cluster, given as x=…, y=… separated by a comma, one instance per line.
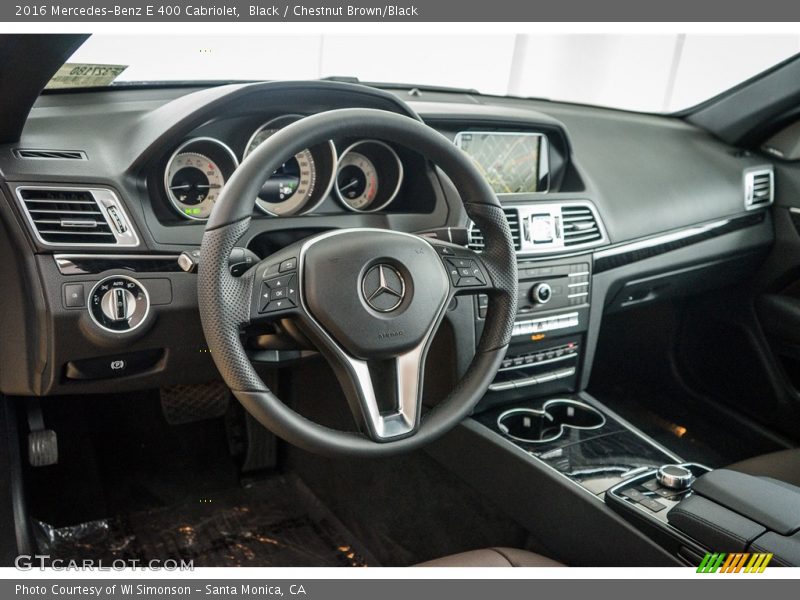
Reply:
x=362, y=175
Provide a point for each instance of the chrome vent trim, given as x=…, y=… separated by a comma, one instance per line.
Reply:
x=476, y=241
x=575, y=226
x=759, y=187
x=38, y=154
x=76, y=216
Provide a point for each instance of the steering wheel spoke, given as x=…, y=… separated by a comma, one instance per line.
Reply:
x=385, y=396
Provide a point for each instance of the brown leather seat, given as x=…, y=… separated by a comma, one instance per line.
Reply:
x=783, y=465
x=493, y=557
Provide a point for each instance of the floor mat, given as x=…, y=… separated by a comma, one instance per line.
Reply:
x=277, y=523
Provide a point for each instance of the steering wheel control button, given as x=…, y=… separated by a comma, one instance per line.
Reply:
x=278, y=293
x=288, y=265
x=119, y=304
x=282, y=282
x=263, y=298
x=271, y=270
x=464, y=272
x=383, y=288
x=675, y=477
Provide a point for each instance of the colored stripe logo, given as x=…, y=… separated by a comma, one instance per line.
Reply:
x=736, y=562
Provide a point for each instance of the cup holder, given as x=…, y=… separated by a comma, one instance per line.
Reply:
x=550, y=422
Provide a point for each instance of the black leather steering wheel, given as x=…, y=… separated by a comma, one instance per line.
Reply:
x=369, y=299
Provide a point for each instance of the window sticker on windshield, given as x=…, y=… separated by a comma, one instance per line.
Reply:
x=84, y=75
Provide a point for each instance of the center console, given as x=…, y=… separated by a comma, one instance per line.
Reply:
x=544, y=356
x=535, y=406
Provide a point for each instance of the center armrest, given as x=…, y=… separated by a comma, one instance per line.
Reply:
x=771, y=503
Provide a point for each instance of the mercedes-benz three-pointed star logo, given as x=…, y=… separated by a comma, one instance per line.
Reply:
x=383, y=288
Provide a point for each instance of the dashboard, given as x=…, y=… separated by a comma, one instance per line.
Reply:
x=109, y=188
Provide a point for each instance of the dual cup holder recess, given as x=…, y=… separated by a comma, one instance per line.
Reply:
x=547, y=424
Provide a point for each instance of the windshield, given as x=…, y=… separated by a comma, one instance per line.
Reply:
x=651, y=73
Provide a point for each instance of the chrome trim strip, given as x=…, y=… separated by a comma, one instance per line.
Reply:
x=105, y=198
x=64, y=262
x=111, y=256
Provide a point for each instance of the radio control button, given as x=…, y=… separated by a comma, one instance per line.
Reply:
x=541, y=293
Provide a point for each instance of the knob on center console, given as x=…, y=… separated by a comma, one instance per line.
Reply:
x=675, y=477
x=541, y=293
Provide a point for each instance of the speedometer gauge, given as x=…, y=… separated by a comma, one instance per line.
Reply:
x=302, y=181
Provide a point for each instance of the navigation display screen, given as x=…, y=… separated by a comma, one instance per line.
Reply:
x=510, y=162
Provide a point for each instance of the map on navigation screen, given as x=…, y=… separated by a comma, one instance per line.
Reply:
x=508, y=161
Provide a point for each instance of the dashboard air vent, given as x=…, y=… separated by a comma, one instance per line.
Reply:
x=50, y=154
x=76, y=217
x=758, y=188
x=512, y=216
x=579, y=225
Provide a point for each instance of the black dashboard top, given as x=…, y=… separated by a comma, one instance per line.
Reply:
x=644, y=174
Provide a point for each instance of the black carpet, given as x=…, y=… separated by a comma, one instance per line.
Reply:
x=274, y=523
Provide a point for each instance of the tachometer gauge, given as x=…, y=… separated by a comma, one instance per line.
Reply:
x=369, y=176
x=195, y=175
x=357, y=181
x=302, y=181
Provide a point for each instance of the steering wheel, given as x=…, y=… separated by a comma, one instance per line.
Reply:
x=370, y=300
